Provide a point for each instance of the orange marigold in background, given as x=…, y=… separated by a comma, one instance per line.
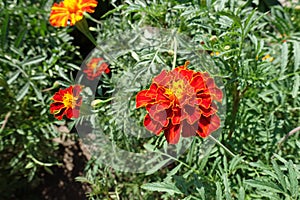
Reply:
x=66, y=102
x=95, y=68
x=181, y=101
x=70, y=11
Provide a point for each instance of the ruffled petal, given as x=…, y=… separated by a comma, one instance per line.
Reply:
x=172, y=134
x=207, y=125
x=189, y=130
x=142, y=99
x=152, y=125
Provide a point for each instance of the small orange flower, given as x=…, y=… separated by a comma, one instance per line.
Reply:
x=66, y=102
x=181, y=102
x=95, y=68
x=70, y=11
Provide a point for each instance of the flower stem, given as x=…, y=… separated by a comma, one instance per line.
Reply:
x=221, y=145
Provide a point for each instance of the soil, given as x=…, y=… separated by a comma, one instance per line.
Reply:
x=62, y=185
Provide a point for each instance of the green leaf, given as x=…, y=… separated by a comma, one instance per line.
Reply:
x=23, y=92
x=296, y=86
x=296, y=56
x=33, y=61
x=241, y=195
x=218, y=191
x=272, y=187
x=14, y=77
x=280, y=175
x=20, y=37
x=162, y=187
x=284, y=58
x=173, y=172
x=4, y=31
x=294, y=188
x=158, y=166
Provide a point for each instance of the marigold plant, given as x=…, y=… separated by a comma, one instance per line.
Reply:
x=95, y=68
x=66, y=102
x=181, y=101
x=70, y=11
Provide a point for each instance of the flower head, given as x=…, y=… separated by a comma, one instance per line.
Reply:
x=95, y=68
x=268, y=57
x=70, y=11
x=66, y=102
x=181, y=101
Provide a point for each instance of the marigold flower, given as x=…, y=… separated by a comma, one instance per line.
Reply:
x=215, y=53
x=66, y=102
x=95, y=68
x=181, y=101
x=268, y=58
x=70, y=11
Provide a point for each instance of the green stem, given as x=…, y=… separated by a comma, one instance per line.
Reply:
x=221, y=145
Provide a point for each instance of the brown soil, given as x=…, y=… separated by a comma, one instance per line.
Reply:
x=62, y=185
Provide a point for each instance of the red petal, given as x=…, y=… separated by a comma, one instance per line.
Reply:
x=160, y=79
x=56, y=106
x=60, y=115
x=188, y=130
x=217, y=94
x=152, y=125
x=172, y=134
x=69, y=113
x=176, y=115
x=204, y=100
x=191, y=113
x=142, y=99
x=207, y=125
x=186, y=74
x=197, y=82
x=158, y=113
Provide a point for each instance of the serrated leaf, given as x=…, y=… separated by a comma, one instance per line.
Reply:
x=162, y=187
x=293, y=179
x=173, y=172
x=241, y=195
x=280, y=175
x=284, y=57
x=22, y=92
x=218, y=191
x=158, y=166
x=296, y=86
x=63, y=75
x=33, y=61
x=14, y=77
x=272, y=187
x=296, y=56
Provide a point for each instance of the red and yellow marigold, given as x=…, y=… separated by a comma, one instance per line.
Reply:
x=70, y=11
x=181, y=101
x=95, y=68
x=66, y=102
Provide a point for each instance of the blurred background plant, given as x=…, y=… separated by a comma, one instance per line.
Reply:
x=35, y=61
x=255, y=44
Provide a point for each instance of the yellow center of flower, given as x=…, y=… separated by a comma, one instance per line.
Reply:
x=93, y=65
x=69, y=100
x=72, y=5
x=177, y=88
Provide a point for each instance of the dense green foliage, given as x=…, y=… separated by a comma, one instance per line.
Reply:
x=257, y=59
x=34, y=57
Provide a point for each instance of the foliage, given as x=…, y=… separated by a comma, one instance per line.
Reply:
x=259, y=65
x=35, y=59
x=257, y=58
